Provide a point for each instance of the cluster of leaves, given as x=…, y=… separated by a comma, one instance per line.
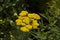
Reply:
x=49, y=28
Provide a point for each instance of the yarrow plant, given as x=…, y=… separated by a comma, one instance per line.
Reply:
x=28, y=21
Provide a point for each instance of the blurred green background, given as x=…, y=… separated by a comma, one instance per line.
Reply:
x=49, y=28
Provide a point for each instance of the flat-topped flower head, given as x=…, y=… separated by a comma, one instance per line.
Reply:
x=30, y=15
x=18, y=22
x=35, y=24
x=23, y=13
x=26, y=20
x=34, y=16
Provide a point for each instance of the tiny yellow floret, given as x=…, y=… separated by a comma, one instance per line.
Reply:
x=26, y=20
x=35, y=24
x=18, y=22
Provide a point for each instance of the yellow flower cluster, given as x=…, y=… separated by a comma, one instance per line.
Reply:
x=28, y=21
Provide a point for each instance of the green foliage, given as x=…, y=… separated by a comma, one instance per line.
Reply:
x=49, y=28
